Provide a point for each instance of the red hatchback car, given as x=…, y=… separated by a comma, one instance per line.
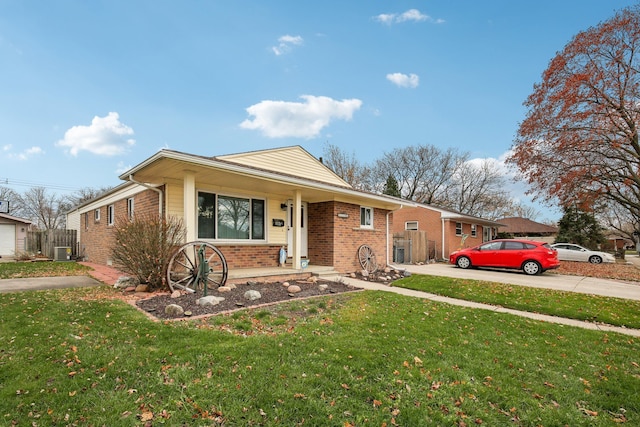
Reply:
x=526, y=255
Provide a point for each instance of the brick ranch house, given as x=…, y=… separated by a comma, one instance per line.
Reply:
x=446, y=229
x=287, y=197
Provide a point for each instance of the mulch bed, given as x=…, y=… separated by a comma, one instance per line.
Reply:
x=234, y=300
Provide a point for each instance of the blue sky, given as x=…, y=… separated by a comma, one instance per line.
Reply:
x=91, y=88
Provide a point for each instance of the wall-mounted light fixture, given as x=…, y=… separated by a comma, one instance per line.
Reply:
x=343, y=215
x=284, y=206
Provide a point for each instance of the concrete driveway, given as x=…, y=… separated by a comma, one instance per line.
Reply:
x=547, y=280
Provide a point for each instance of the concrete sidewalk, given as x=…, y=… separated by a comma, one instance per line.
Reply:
x=42, y=283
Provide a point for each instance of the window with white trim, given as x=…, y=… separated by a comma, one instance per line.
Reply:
x=474, y=230
x=130, y=205
x=458, y=229
x=86, y=220
x=411, y=225
x=366, y=217
x=110, y=215
x=96, y=215
x=230, y=218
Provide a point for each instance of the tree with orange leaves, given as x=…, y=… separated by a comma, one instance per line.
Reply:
x=579, y=141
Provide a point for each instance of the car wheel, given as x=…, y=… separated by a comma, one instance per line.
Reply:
x=595, y=259
x=463, y=262
x=531, y=268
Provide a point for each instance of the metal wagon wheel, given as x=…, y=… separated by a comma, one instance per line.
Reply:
x=367, y=258
x=197, y=264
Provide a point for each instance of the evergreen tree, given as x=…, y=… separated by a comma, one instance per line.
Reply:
x=391, y=187
x=580, y=227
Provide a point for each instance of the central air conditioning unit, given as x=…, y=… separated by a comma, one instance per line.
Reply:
x=62, y=253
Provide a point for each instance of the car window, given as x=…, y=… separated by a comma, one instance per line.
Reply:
x=492, y=246
x=532, y=246
x=512, y=245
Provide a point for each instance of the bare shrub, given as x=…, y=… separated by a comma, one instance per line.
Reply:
x=144, y=245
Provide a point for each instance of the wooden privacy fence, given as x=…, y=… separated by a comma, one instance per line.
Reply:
x=413, y=246
x=46, y=242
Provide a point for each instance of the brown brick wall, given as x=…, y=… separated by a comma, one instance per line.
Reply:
x=430, y=221
x=335, y=241
x=97, y=237
x=241, y=256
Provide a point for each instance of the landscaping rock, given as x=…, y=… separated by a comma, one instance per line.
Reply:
x=209, y=300
x=142, y=288
x=252, y=295
x=176, y=294
x=323, y=287
x=223, y=289
x=124, y=282
x=174, y=310
x=293, y=289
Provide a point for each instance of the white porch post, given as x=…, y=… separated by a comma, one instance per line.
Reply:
x=297, y=232
x=189, y=188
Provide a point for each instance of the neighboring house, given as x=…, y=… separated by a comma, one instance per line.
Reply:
x=528, y=229
x=444, y=229
x=13, y=231
x=248, y=205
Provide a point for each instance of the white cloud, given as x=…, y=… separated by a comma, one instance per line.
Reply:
x=404, y=80
x=106, y=136
x=410, y=15
x=281, y=119
x=285, y=44
x=24, y=155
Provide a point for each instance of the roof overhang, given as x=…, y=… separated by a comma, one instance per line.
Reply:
x=167, y=165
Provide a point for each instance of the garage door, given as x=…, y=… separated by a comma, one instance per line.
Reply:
x=7, y=239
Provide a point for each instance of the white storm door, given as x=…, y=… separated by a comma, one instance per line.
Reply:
x=303, y=229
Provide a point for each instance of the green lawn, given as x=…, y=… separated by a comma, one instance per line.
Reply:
x=11, y=270
x=613, y=311
x=76, y=357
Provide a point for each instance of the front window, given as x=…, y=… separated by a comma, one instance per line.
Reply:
x=366, y=217
x=233, y=218
x=474, y=230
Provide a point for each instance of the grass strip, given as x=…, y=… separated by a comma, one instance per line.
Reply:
x=593, y=308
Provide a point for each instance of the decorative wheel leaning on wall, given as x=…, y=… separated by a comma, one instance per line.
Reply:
x=367, y=259
x=197, y=265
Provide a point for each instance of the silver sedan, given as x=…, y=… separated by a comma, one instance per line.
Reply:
x=573, y=252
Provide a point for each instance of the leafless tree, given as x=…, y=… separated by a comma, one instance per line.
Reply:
x=477, y=188
x=345, y=166
x=15, y=202
x=423, y=172
x=45, y=209
x=85, y=194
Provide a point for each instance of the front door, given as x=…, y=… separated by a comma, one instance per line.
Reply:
x=303, y=229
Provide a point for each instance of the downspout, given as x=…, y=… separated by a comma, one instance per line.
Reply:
x=157, y=190
x=386, y=249
x=442, y=232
